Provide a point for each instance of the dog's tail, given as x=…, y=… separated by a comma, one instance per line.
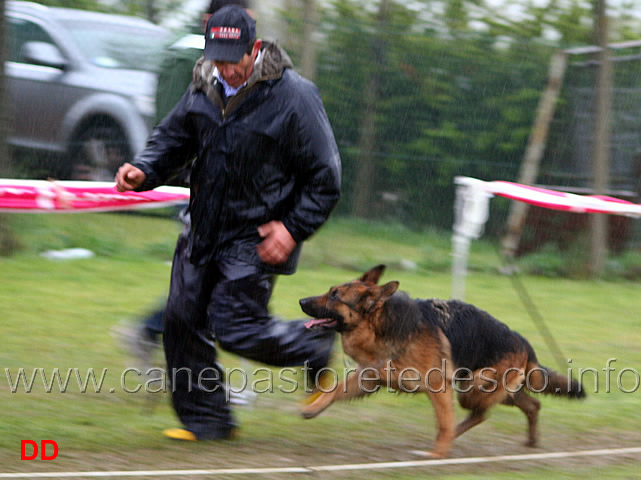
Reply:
x=547, y=381
x=540, y=379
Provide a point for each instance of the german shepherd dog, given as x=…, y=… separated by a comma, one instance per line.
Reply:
x=431, y=346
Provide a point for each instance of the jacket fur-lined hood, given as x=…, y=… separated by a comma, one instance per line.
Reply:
x=272, y=62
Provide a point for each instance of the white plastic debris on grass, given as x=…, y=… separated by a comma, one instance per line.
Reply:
x=68, y=254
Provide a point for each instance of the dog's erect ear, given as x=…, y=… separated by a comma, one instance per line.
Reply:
x=372, y=276
x=382, y=295
x=387, y=291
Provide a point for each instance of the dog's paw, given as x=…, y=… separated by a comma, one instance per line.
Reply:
x=426, y=454
x=309, y=412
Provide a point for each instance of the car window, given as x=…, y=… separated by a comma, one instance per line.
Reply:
x=21, y=31
x=118, y=46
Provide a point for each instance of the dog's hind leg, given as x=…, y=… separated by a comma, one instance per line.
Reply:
x=477, y=401
x=530, y=407
x=472, y=420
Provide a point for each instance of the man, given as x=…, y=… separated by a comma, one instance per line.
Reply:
x=175, y=75
x=266, y=177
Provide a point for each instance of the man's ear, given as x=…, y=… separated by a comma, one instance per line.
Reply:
x=256, y=48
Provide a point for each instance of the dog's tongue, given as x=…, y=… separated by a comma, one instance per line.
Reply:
x=312, y=322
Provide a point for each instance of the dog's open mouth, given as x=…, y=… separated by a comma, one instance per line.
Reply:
x=320, y=323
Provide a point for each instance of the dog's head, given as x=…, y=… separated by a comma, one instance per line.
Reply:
x=344, y=306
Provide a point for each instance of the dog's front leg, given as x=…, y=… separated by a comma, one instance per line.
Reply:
x=445, y=418
x=356, y=384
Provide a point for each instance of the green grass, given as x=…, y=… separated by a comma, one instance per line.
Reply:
x=59, y=314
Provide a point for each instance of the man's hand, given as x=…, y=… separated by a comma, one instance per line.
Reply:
x=129, y=177
x=277, y=245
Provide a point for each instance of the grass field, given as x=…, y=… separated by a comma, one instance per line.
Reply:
x=60, y=314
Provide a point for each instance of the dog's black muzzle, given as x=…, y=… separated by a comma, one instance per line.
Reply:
x=310, y=306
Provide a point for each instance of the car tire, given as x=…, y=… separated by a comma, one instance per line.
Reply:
x=98, y=151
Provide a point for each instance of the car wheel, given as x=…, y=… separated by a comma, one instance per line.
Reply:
x=98, y=152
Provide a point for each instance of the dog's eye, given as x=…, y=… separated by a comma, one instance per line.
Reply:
x=333, y=294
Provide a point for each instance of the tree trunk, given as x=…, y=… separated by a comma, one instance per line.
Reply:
x=308, y=48
x=8, y=241
x=601, y=145
x=150, y=11
x=5, y=159
x=534, y=152
x=366, y=162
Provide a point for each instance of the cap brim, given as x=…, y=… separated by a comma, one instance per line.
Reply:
x=224, y=53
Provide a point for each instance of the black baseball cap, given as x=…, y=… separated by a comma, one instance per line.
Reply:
x=228, y=34
x=216, y=5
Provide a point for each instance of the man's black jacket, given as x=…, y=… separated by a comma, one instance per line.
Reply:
x=268, y=154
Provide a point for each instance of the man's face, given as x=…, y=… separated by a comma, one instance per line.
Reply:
x=235, y=74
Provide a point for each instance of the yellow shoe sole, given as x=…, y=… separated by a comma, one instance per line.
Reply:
x=326, y=383
x=180, y=434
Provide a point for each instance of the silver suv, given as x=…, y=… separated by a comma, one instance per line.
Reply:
x=81, y=87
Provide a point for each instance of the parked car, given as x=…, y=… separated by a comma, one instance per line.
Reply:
x=81, y=87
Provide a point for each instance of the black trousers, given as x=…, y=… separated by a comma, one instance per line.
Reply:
x=153, y=324
x=226, y=302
